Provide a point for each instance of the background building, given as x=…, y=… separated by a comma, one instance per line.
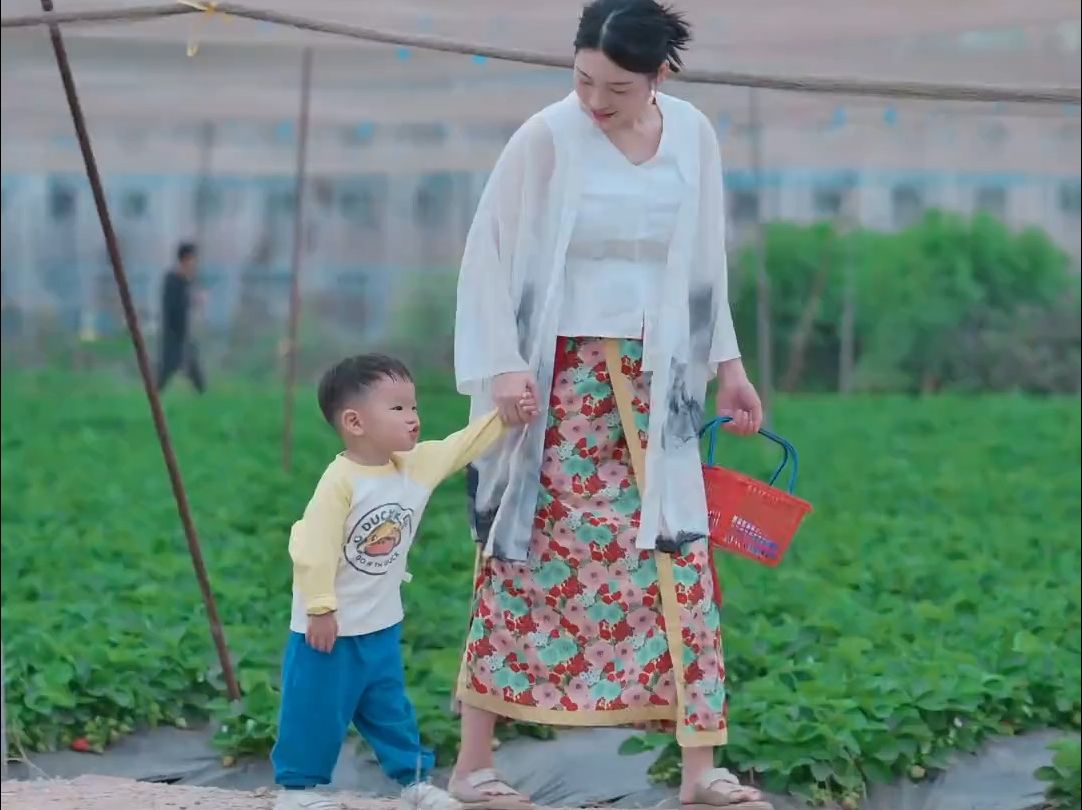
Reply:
x=402, y=140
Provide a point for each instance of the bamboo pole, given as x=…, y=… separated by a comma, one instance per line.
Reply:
x=298, y=255
x=141, y=358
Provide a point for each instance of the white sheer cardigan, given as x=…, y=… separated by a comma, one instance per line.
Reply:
x=509, y=290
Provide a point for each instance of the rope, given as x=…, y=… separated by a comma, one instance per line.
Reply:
x=807, y=84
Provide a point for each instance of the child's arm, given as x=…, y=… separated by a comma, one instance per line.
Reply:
x=316, y=542
x=432, y=462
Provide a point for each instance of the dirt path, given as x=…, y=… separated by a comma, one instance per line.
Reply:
x=108, y=793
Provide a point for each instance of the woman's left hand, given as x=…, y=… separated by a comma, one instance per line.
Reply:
x=738, y=399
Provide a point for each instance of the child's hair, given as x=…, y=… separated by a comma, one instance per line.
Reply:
x=186, y=250
x=638, y=35
x=353, y=376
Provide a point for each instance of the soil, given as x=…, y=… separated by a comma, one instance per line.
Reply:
x=109, y=793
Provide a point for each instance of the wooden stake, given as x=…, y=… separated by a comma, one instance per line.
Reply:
x=298, y=253
x=132, y=319
x=764, y=346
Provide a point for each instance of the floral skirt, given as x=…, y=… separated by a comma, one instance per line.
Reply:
x=577, y=636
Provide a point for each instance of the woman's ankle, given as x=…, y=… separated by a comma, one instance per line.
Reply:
x=475, y=751
x=695, y=761
x=470, y=764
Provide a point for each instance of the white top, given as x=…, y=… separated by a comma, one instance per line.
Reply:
x=510, y=296
x=620, y=243
x=349, y=550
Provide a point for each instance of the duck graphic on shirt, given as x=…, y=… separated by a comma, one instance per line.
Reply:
x=379, y=539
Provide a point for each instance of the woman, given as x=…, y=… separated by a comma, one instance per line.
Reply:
x=594, y=277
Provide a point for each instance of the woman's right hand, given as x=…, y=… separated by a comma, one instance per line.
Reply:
x=515, y=396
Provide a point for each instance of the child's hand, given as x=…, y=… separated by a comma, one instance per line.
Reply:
x=322, y=632
x=527, y=405
x=509, y=392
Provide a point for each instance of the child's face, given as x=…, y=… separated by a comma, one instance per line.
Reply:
x=385, y=417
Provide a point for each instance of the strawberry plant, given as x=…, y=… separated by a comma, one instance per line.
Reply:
x=1064, y=775
x=932, y=599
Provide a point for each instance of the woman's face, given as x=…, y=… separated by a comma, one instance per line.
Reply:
x=615, y=97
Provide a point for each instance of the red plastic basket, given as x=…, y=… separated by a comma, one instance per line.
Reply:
x=749, y=517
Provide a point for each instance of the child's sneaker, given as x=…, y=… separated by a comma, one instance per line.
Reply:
x=425, y=796
x=305, y=800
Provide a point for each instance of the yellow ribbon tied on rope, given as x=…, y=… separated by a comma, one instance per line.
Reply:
x=209, y=9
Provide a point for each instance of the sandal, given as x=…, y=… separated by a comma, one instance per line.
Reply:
x=486, y=790
x=719, y=788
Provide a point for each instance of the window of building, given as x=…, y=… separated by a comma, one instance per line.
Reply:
x=991, y=200
x=432, y=202
x=209, y=201
x=360, y=206
x=907, y=203
x=744, y=207
x=420, y=134
x=134, y=204
x=61, y=200
x=827, y=202
x=1069, y=199
x=359, y=135
x=281, y=201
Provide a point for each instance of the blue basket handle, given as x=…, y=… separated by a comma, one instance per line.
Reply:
x=789, y=451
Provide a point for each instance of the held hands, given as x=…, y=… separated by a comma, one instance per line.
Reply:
x=515, y=397
x=322, y=632
x=738, y=399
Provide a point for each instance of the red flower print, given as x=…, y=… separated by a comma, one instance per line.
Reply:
x=577, y=665
x=525, y=624
x=594, y=484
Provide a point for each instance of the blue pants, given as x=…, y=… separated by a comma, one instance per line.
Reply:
x=362, y=681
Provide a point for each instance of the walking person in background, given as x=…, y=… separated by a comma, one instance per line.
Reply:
x=178, y=347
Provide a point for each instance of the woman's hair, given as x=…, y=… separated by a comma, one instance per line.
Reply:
x=638, y=35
